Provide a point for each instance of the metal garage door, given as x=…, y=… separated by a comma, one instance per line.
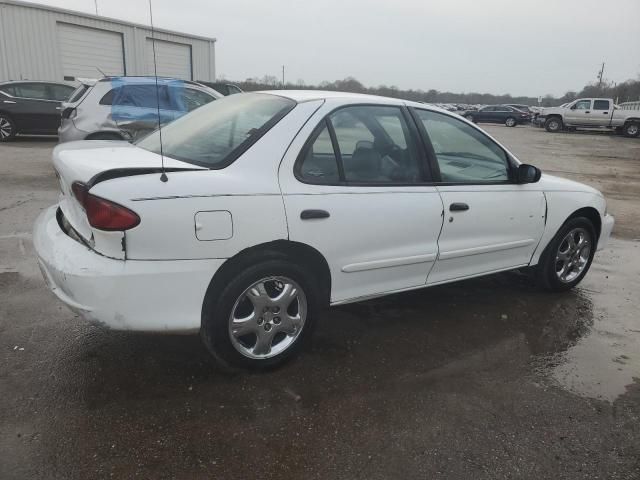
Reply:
x=173, y=59
x=82, y=49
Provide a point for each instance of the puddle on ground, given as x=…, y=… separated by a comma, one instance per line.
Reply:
x=606, y=360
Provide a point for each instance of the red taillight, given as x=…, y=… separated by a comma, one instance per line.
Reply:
x=104, y=214
x=69, y=112
x=80, y=191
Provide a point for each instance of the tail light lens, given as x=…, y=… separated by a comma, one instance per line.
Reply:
x=80, y=191
x=104, y=214
x=69, y=112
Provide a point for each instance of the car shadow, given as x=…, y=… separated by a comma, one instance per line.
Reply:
x=400, y=335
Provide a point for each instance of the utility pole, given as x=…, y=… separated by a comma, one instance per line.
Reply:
x=601, y=75
x=282, y=76
x=96, y=4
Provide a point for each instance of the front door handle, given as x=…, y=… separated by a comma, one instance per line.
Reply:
x=458, y=207
x=605, y=113
x=8, y=101
x=587, y=111
x=311, y=214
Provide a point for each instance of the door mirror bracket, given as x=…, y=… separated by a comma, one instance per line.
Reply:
x=528, y=174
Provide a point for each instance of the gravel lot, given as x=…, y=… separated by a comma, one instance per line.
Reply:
x=488, y=378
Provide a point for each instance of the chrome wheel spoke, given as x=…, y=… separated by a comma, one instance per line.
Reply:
x=290, y=324
x=263, y=343
x=244, y=326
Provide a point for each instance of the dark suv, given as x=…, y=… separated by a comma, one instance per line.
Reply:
x=31, y=107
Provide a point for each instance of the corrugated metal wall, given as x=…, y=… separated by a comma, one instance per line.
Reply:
x=29, y=43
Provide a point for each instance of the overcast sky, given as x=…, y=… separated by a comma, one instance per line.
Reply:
x=495, y=46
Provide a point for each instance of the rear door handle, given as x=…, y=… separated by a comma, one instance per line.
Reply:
x=458, y=207
x=587, y=111
x=605, y=113
x=311, y=214
x=8, y=101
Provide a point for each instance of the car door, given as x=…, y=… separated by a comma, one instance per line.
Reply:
x=579, y=113
x=485, y=114
x=35, y=110
x=601, y=113
x=490, y=222
x=355, y=188
x=501, y=113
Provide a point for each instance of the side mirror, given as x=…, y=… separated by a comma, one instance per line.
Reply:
x=528, y=174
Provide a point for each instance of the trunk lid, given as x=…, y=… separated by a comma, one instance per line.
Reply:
x=93, y=161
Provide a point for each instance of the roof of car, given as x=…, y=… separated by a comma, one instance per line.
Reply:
x=309, y=95
x=12, y=82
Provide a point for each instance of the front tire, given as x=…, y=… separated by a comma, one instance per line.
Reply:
x=631, y=129
x=7, y=128
x=262, y=317
x=553, y=124
x=510, y=122
x=568, y=257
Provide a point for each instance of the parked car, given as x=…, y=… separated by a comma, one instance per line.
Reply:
x=521, y=107
x=277, y=204
x=498, y=114
x=591, y=113
x=126, y=108
x=223, y=88
x=30, y=107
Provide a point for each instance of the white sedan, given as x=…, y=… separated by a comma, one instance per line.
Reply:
x=243, y=218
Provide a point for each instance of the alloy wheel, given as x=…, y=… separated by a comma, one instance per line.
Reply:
x=511, y=122
x=573, y=255
x=632, y=130
x=267, y=317
x=6, y=130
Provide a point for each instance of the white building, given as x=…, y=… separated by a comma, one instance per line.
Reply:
x=39, y=42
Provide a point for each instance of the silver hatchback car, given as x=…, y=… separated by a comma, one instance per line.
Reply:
x=126, y=108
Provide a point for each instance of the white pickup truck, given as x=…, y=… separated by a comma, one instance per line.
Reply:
x=591, y=113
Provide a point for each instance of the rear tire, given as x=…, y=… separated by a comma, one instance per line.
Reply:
x=7, y=128
x=564, y=262
x=553, y=124
x=631, y=129
x=510, y=122
x=273, y=334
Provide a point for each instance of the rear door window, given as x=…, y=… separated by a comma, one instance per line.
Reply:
x=59, y=92
x=320, y=164
x=36, y=91
x=373, y=145
x=601, y=104
x=142, y=96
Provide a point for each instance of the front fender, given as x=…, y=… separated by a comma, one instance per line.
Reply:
x=560, y=206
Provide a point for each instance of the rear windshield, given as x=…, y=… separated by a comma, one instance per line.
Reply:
x=215, y=134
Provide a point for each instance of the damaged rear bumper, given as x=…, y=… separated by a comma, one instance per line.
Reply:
x=149, y=295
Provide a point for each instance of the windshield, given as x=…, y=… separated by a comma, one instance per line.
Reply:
x=215, y=134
